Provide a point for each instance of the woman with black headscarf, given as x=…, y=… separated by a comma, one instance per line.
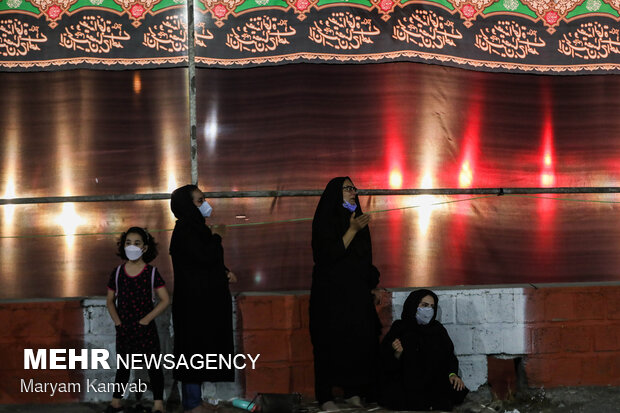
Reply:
x=344, y=325
x=202, y=304
x=419, y=370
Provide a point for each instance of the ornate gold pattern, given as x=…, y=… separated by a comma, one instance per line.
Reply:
x=425, y=28
x=203, y=35
x=260, y=34
x=591, y=41
x=343, y=31
x=94, y=34
x=169, y=36
x=44, y=4
x=509, y=39
x=19, y=38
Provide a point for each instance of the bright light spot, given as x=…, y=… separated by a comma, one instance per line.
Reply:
x=211, y=129
x=547, y=160
x=425, y=203
x=257, y=278
x=69, y=220
x=396, y=179
x=172, y=182
x=547, y=179
x=466, y=176
x=9, y=210
x=137, y=83
x=427, y=181
x=9, y=192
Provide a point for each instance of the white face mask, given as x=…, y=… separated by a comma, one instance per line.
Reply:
x=424, y=315
x=132, y=252
x=205, y=209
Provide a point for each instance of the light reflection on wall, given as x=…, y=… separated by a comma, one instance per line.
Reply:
x=8, y=211
x=9, y=172
x=211, y=129
x=545, y=207
x=8, y=254
x=458, y=241
x=83, y=141
x=170, y=137
x=11, y=158
x=69, y=221
x=67, y=144
x=137, y=82
x=471, y=143
x=547, y=174
x=422, y=261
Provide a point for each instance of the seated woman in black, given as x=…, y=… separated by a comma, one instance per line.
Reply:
x=418, y=366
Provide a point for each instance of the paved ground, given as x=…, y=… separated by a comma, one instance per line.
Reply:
x=561, y=400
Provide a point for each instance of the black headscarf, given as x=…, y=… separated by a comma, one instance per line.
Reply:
x=330, y=214
x=330, y=204
x=182, y=205
x=410, y=308
x=183, y=208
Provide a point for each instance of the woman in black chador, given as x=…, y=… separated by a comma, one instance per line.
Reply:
x=202, y=304
x=419, y=370
x=344, y=325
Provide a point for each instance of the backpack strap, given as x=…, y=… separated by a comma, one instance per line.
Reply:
x=153, y=283
x=118, y=270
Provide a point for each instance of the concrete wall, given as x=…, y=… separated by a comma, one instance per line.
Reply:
x=481, y=322
x=564, y=335
x=99, y=332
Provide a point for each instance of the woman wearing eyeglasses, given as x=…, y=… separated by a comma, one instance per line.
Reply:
x=344, y=325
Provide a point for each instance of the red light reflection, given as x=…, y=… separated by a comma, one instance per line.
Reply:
x=547, y=174
x=471, y=143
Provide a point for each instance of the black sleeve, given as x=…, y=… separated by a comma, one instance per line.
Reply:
x=389, y=362
x=198, y=248
x=374, y=277
x=452, y=362
x=327, y=244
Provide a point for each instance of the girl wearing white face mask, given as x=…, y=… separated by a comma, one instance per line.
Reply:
x=131, y=290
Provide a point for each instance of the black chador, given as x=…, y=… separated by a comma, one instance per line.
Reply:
x=344, y=325
x=419, y=379
x=202, y=304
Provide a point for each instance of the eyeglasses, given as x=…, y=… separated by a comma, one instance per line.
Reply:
x=349, y=188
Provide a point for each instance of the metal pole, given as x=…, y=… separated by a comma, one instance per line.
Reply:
x=317, y=192
x=191, y=55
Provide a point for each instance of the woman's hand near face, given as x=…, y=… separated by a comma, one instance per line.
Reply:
x=359, y=223
x=355, y=224
x=457, y=382
x=232, y=278
x=376, y=293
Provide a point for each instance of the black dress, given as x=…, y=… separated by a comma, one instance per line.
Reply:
x=344, y=325
x=201, y=304
x=419, y=379
x=134, y=300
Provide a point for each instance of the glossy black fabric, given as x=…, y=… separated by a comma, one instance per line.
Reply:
x=419, y=380
x=202, y=304
x=344, y=325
